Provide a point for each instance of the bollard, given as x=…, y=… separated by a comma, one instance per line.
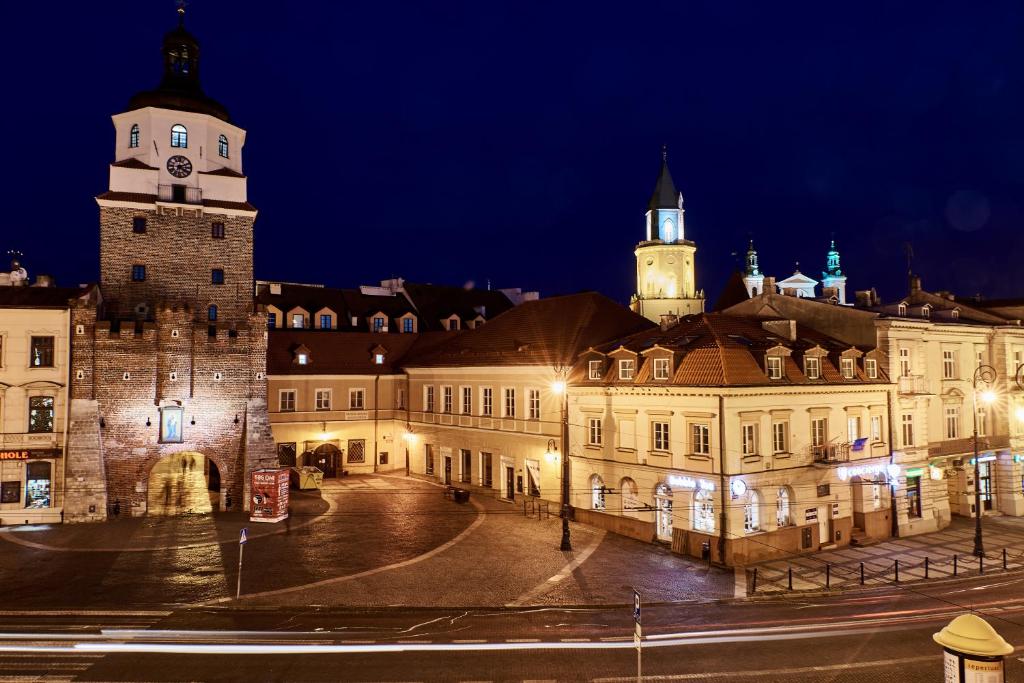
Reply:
x=897, y=571
x=954, y=565
x=981, y=564
x=791, y=578
x=828, y=575
x=753, y=587
x=1004, y=558
x=862, y=573
x=926, y=567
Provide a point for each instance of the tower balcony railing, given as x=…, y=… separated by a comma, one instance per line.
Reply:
x=180, y=194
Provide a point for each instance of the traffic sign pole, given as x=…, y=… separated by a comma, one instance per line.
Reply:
x=242, y=538
x=638, y=636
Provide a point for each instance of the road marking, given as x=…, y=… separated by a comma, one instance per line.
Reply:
x=469, y=641
x=523, y=640
x=575, y=640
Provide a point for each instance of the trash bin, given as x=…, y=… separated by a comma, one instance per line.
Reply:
x=461, y=496
x=705, y=551
x=307, y=477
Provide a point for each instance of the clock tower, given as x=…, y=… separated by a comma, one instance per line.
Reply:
x=665, y=281
x=169, y=362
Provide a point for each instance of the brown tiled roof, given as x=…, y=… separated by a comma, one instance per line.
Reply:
x=350, y=353
x=39, y=297
x=549, y=332
x=224, y=171
x=714, y=349
x=143, y=198
x=734, y=292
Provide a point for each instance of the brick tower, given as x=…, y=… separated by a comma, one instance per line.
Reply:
x=170, y=361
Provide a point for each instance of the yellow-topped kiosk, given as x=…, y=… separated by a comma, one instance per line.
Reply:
x=972, y=651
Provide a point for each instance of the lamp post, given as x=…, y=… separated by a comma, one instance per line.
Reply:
x=984, y=375
x=559, y=388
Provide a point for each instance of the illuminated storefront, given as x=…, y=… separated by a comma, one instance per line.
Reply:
x=29, y=485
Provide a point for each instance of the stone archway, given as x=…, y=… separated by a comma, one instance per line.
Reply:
x=187, y=482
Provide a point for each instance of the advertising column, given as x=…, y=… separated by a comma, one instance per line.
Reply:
x=269, y=495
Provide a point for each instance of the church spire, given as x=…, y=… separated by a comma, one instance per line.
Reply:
x=832, y=263
x=665, y=195
x=752, y=268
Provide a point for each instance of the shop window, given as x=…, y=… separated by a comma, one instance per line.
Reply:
x=40, y=414
x=597, y=493
x=914, y=496
x=37, y=485
x=752, y=513
x=703, y=511
x=533, y=477
x=10, y=492
x=782, y=506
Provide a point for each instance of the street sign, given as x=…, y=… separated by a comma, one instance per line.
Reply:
x=637, y=635
x=636, y=606
x=243, y=536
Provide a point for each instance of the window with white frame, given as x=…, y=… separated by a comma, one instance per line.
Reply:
x=487, y=401
x=846, y=366
x=904, y=362
x=467, y=400
x=907, y=429
x=982, y=420
x=949, y=364
x=700, y=439
x=871, y=368
x=533, y=403
x=298, y=320
x=428, y=399
x=774, y=364
x=876, y=428
x=749, y=433
x=659, y=436
x=594, y=368
x=852, y=428
x=286, y=400
x=509, y=404
x=323, y=399
x=661, y=368
x=356, y=399
x=819, y=431
x=752, y=512
x=952, y=414
x=446, y=399
x=626, y=366
x=782, y=502
x=703, y=511
x=812, y=367
x=594, y=431
x=780, y=436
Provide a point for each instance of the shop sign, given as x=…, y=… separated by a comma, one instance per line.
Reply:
x=915, y=471
x=269, y=495
x=30, y=454
x=847, y=472
x=811, y=515
x=682, y=482
x=935, y=472
x=738, y=487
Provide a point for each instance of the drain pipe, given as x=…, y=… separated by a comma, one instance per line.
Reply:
x=723, y=518
x=893, y=510
x=376, y=414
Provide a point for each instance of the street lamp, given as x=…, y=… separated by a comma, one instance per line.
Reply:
x=985, y=376
x=558, y=388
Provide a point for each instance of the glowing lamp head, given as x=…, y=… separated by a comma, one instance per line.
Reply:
x=1020, y=413
x=558, y=386
x=408, y=437
x=988, y=397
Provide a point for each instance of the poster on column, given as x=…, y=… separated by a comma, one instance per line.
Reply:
x=269, y=495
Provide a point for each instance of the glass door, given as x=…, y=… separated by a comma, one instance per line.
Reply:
x=985, y=484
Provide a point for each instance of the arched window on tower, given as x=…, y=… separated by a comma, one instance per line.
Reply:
x=133, y=136
x=222, y=146
x=179, y=136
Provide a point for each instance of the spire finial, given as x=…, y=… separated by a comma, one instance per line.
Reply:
x=181, y=12
x=664, y=152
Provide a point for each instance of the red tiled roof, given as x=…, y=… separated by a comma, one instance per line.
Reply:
x=343, y=353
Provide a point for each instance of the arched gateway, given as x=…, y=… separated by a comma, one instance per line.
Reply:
x=181, y=483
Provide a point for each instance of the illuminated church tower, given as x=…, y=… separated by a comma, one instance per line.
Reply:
x=833, y=275
x=665, y=282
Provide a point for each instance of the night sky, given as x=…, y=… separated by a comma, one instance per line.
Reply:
x=519, y=142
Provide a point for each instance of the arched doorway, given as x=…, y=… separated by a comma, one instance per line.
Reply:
x=326, y=457
x=663, y=514
x=180, y=483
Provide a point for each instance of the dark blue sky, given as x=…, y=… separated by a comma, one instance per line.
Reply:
x=520, y=141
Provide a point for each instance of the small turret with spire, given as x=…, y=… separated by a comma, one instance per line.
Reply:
x=753, y=278
x=833, y=276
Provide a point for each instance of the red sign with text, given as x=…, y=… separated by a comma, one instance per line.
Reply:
x=269, y=495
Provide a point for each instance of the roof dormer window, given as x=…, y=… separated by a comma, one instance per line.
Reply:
x=812, y=367
x=179, y=136
x=302, y=358
x=626, y=366
x=926, y=311
x=902, y=308
x=133, y=136
x=847, y=367
x=594, y=369
x=955, y=313
x=662, y=368
x=773, y=365
x=301, y=355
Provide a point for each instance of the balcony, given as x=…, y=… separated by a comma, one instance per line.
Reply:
x=965, y=446
x=913, y=384
x=180, y=194
x=830, y=453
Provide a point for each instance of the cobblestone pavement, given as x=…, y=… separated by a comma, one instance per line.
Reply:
x=369, y=541
x=880, y=559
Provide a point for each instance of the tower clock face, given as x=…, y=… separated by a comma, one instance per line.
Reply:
x=179, y=166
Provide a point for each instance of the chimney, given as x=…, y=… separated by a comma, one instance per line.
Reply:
x=769, y=285
x=865, y=298
x=915, y=283
x=44, y=281
x=829, y=292
x=783, y=328
x=668, y=320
